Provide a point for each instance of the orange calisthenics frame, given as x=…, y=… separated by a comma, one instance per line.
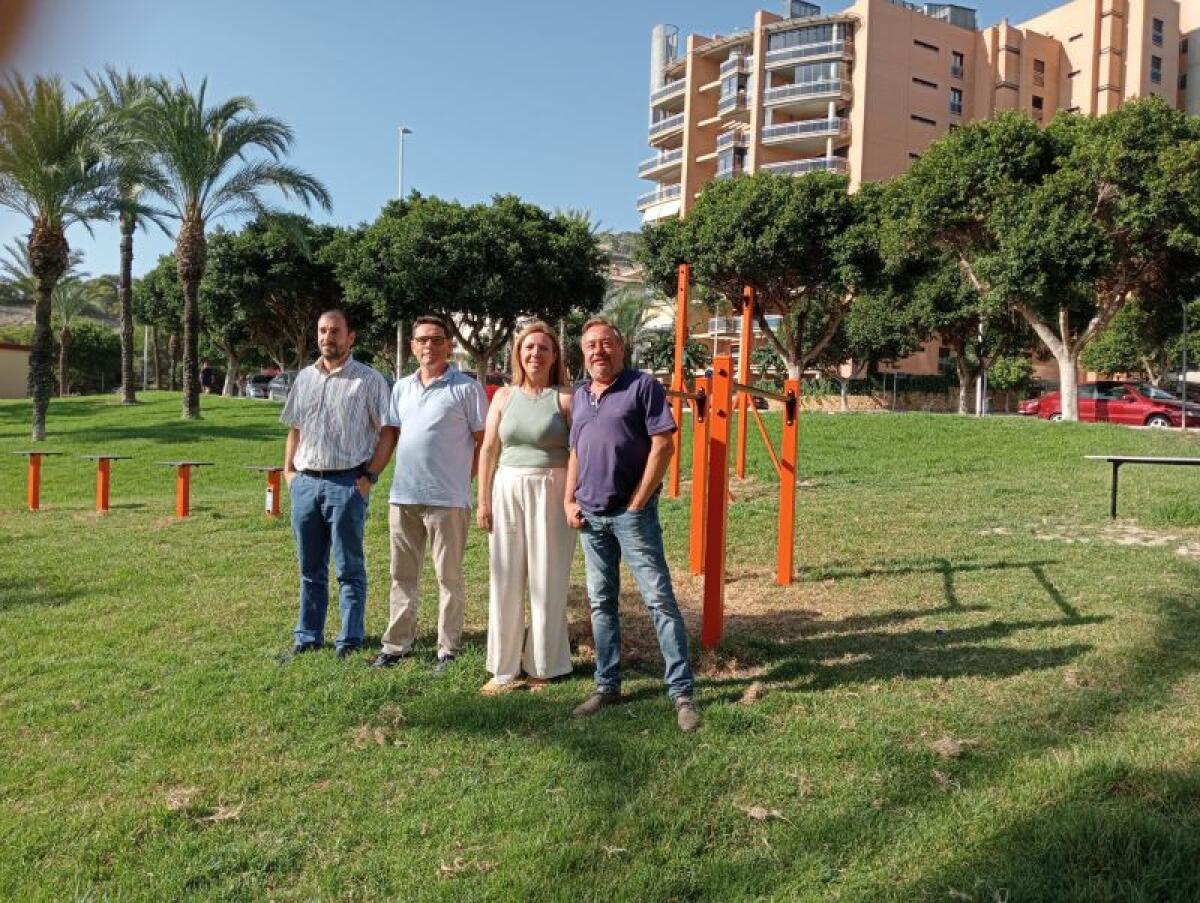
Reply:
x=33, y=479
x=271, y=505
x=183, y=484
x=103, y=477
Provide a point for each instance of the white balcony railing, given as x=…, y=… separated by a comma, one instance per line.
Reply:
x=811, y=128
x=666, y=126
x=667, y=91
x=735, y=138
x=785, y=55
x=735, y=65
x=658, y=161
x=659, y=196
x=824, y=88
x=731, y=102
x=812, y=164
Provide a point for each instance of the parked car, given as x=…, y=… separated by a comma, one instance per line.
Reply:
x=257, y=385
x=281, y=385
x=1117, y=401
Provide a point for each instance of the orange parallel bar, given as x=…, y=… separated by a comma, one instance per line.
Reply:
x=33, y=484
x=699, y=477
x=273, y=492
x=762, y=431
x=789, y=454
x=103, y=471
x=712, y=622
x=678, y=382
x=744, y=401
x=183, y=490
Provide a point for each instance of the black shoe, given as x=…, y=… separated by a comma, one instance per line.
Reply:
x=345, y=652
x=387, y=659
x=443, y=664
x=299, y=649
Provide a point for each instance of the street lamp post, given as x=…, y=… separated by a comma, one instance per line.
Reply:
x=401, y=132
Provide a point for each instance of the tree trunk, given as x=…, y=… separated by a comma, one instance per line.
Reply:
x=154, y=356
x=963, y=369
x=1068, y=383
x=844, y=385
x=173, y=360
x=233, y=362
x=125, y=296
x=64, y=341
x=48, y=256
x=191, y=252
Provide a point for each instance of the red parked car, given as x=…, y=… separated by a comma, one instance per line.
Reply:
x=1116, y=401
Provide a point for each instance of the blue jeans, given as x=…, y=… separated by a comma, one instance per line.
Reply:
x=635, y=536
x=330, y=511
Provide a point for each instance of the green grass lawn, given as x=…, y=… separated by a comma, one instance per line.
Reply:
x=979, y=689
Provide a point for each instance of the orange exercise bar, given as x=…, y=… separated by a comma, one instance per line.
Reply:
x=700, y=421
x=183, y=484
x=788, y=456
x=744, y=401
x=712, y=620
x=678, y=380
x=271, y=506
x=33, y=477
x=103, y=477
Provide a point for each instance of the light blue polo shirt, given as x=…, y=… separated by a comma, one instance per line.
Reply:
x=437, y=424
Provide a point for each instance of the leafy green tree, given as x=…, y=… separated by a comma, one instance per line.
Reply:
x=805, y=245
x=230, y=301
x=72, y=299
x=158, y=303
x=657, y=352
x=217, y=160
x=53, y=172
x=1010, y=373
x=122, y=98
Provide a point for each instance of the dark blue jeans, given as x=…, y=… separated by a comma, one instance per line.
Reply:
x=327, y=512
x=635, y=536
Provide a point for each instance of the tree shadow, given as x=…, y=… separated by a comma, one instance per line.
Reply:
x=19, y=594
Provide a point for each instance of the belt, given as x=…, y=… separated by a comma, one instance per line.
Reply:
x=325, y=474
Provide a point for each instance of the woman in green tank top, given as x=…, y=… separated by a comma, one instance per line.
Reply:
x=522, y=477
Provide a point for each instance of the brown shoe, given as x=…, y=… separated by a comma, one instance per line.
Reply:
x=537, y=684
x=686, y=714
x=595, y=703
x=498, y=688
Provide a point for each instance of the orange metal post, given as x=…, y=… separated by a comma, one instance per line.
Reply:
x=788, y=457
x=744, y=401
x=33, y=485
x=712, y=621
x=699, y=475
x=678, y=380
x=183, y=490
x=273, y=492
x=103, y=469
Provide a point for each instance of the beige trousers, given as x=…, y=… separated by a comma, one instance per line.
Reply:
x=445, y=531
x=531, y=546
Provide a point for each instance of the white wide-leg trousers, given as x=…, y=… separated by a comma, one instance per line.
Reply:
x=531, y=547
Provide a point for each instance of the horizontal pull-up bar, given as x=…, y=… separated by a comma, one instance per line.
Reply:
x=761, y=393
x=699, y=399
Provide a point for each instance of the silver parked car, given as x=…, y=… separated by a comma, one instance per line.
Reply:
x=256, y=385
x=281, y=385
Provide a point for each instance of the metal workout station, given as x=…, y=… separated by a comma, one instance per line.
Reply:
x=713, y=401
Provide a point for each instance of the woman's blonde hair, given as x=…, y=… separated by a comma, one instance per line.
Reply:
x=558, y=372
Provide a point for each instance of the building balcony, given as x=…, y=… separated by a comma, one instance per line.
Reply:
x=659, y=196
x=788, y=56
x=670, y=91
x=805, y=132
x=732, y=103
x=736, y=65
x=811, y=164
x=660, y=164
x=736, y=138
x=807, y=97
x=666, y=127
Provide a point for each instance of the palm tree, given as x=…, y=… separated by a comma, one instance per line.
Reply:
x=53, y=172
x=123, y=98
x=16, y=272
x=204, y=154
x=628, y=307
x=72, y=298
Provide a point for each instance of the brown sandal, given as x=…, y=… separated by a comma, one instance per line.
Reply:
x=495, y=688
x=537, y=684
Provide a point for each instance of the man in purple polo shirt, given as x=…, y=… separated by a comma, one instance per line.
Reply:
x=620, y=446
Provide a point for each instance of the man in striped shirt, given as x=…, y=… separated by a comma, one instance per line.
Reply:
x=336, y=446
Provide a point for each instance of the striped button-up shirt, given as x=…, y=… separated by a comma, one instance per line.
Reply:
x=338, y=414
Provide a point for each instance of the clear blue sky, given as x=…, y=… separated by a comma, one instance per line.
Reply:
x=543, y=99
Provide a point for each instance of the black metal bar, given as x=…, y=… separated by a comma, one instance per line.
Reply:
x=1112, y=509
x=789, y=408
x=761, y=393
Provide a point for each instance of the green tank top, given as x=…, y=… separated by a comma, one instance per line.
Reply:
x=533, y=431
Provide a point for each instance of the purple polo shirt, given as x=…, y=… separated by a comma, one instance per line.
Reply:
x=611, y=438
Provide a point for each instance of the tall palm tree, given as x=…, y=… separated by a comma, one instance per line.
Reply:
x=123, y=98
x=205, y=154
x=53, y=172
x=16, y=271
x=72, y=298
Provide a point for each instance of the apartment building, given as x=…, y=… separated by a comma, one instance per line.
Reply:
x=864, y=91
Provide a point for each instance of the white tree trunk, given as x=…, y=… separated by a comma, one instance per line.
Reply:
x=845, y=393
x=1068, y=383
x=233, y=363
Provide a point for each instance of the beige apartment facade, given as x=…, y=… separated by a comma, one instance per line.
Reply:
x=14, y=370
x=864, y=91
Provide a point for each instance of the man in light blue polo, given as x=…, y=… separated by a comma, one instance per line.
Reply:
x=440, y=415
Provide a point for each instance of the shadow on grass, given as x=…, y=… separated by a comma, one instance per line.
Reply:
x=18, y=594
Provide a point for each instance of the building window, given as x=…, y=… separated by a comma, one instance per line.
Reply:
x=1183, y=45
x=957, y=63
x=1073, y=73
x=1183, y=82
x=1075, y=37
x=922, y=120
x=924, y=45
x=1072, y=109
x=1156, y=69
x=912, y=155
x=1039, y=73
x=923, y=83
x=1156, y=32
x=1038, y=107
x=956, y=96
